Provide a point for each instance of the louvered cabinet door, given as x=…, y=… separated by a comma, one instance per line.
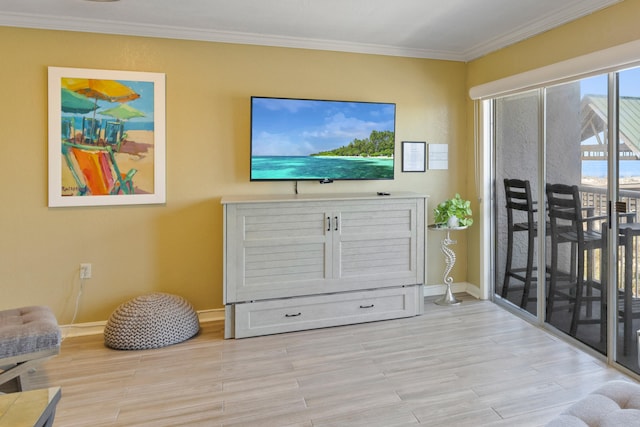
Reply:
x=276, y=250
x=378, y=243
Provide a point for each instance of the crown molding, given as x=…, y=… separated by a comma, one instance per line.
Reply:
x=65, y=23
x=182, y=33
x=568, y=14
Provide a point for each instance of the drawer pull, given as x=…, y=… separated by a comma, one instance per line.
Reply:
x=336, y=218
x=292, y=315
x=328, y=223
x=366, y=306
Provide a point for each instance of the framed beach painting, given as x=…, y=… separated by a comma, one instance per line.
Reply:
x=106, y=137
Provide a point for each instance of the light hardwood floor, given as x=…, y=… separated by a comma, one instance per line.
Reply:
x=470, y=365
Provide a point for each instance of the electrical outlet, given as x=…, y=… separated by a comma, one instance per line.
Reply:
x=85, y=271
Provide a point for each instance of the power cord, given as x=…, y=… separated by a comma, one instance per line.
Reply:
x=75, y=312
x=76, y=309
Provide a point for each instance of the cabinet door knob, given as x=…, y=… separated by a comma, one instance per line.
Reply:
x=292, y=315
x=366, y=306
x=328, y=223
x=336, y=218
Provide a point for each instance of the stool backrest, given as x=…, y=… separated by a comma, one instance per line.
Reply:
x=518, y=194
x=565, y=210
x=518, y=198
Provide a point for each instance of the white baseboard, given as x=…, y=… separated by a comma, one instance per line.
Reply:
x=95, y=328
x=82, y=329
x=211, y=315
x=436, y=290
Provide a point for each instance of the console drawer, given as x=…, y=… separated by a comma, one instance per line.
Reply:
x=300, y=313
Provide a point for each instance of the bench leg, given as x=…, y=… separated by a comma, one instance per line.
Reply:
x=13, y=374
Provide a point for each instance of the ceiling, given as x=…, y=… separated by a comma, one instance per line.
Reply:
x=459, y=30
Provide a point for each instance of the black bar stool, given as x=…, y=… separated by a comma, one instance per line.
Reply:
x=569, y=226
x=518, y=198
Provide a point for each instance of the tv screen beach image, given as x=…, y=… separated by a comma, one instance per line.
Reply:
x=299, y=139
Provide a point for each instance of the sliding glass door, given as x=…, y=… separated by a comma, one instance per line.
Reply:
x=566, y=191
x=627, y=290
x=576, y=164
x=516, y=157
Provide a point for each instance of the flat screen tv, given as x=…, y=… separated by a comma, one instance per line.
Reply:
x=308, y=139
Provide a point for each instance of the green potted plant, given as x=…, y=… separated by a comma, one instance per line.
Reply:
x=454, y=212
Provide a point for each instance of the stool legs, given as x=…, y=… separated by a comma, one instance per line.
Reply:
x=529, y=272
x=518, y=199
x=511, y=273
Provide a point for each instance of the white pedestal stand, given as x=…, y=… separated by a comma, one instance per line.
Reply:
x=450, y=259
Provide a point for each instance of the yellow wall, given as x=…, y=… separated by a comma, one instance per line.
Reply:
x=177, y=247
x=609, y=27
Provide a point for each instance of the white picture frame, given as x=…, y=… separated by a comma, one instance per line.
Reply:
x=106, y=137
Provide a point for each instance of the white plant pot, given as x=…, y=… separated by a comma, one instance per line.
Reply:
x=453, y=222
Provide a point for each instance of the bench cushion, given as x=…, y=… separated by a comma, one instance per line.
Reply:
x=615, y=404
x=28, y=330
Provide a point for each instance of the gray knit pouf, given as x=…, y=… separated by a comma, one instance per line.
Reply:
x=151, y=321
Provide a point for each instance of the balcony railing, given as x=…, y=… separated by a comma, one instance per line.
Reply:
x=596, y=197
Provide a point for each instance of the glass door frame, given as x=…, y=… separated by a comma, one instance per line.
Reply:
x=612, y=236
x=485, y=132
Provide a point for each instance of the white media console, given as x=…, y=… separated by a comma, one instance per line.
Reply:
x=296, y=262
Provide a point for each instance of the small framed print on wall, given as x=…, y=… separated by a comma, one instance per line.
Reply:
x=438, y=156
x=414, y=156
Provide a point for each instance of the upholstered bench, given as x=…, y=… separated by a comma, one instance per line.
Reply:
x=28, y=335
x=615, y=404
